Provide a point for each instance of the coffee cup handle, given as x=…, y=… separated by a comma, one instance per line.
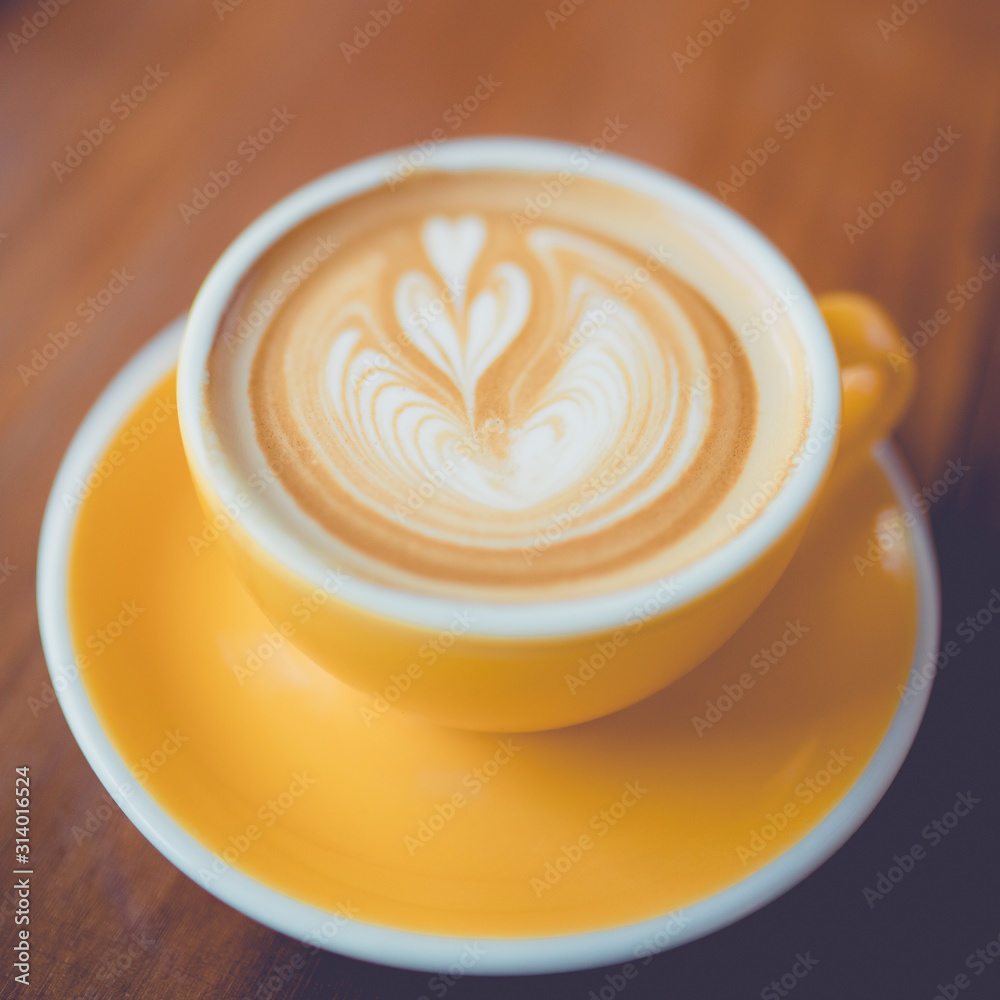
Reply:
x=877, y=377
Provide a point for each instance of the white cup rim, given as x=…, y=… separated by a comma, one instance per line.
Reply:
x=545, y=618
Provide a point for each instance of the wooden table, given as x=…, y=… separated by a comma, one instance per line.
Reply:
x=864, y=139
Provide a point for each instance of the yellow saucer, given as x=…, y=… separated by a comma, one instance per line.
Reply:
x=310, y=807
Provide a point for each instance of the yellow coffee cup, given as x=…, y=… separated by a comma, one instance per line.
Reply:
x=509, y=666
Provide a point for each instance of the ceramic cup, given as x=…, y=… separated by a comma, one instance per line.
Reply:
x=511, y=667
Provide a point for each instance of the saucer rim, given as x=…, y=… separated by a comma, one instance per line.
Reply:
x=410, y=949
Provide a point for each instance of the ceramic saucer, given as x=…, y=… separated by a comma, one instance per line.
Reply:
x=311, y=808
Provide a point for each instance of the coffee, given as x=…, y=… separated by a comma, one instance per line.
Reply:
x=459, y=387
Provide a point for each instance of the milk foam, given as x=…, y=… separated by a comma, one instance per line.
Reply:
x=458, y=402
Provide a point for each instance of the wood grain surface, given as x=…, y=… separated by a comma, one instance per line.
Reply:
x=166, y=95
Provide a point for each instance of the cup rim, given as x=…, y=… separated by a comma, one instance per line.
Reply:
x=509, y=619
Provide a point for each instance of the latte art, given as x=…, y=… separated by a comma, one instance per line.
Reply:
x=454, y=401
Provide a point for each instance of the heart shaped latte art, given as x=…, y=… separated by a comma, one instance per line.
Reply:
x=460, y=397
x=405, y=432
